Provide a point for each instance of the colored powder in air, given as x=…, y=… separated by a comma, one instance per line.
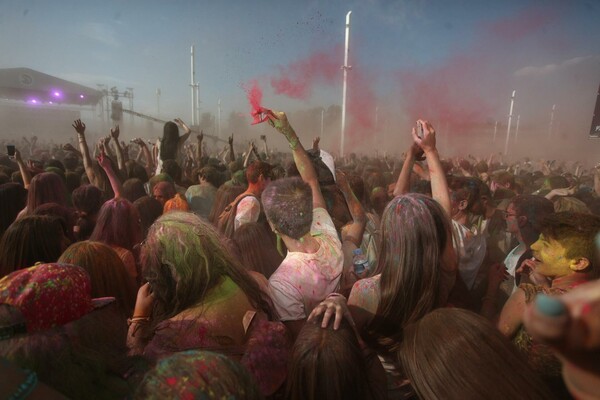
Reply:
x=254, y=94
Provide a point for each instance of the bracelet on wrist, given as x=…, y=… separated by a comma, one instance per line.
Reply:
x=138, y=320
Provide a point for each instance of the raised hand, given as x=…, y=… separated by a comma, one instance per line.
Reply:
x=79, y=126
x=200, y=137
x=103, y=160
x=114, y=133
x=316, y=141
x=182, y=125
x=427, y=141
x=230, y=140
x=332, y=306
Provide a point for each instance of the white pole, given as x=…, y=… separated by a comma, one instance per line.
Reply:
x=192, y=85
x=376, y=117
x=158, y=103
x=551, y=120
x=345, y=67
x=510, y=114
x=517, y=128
x=495, y=131
x=322, y=119
x=219, y=118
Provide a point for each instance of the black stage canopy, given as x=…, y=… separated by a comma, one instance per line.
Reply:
x=24, y=84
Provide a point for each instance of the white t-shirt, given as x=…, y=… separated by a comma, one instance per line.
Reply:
x=303, y=280
x=471, y=248
x=248, y=210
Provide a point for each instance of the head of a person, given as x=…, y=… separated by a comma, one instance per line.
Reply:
x=149, y=209
x=566, y=245
x=195, y=374
x=66, y=216
x=118, y=224
x=417, y=263
x=136, y=171
x=378, y=199
x=462, y=339
x=108, y=275
x=184, y=258
x=327, y=364
x=46, y=187
x=133, y=189
x=53, y=326
x=256, y=248
x=464, y=195
x=209, y=175
x=288, y=206
x=163, y=191
x=31, y=239
x=258, y=174
x=527, y=210
x=13, y=198
x=177, y=203
x=502, y=180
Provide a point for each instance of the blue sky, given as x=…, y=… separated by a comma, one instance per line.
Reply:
x=146, y=44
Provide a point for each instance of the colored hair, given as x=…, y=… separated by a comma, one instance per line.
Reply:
x=256, y=248
x=288, y=206
x=118, y=224
x=108, y=274
x=327, y=364
x=31, y=239
x=46, y=187
x=456, y=354
x=576, y=232
x=197, y=374
x=184, y=258
x=415, y=232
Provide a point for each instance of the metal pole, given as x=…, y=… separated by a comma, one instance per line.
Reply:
x=322, y=118
x=551, y=120
x=376, y=117
x=158, y=103
x=495, y=131
x=517, y=128
x=510, y=114
x=345, y=67
x=192, y=85
x=219, y=118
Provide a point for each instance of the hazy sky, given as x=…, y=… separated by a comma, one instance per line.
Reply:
x=455, y=61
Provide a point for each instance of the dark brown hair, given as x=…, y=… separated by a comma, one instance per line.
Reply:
x=256, y=248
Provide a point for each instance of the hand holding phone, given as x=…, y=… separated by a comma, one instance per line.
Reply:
x=10, y=150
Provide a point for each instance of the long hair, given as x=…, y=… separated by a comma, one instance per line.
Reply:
x=256, y=249
x=415, y=231
x=327, y=364
x=224, y=196
x=107, y=272
x=31, y=239
x=13, y=198
x=184, y=258
x=456, y=354
x=46, y=187
x=87, y=201
x=118, y=224
x=169, y=145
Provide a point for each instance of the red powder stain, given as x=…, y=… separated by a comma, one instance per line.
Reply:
x=298, y=79
x=172, y=381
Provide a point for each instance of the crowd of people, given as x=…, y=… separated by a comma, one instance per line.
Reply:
x=174, y=271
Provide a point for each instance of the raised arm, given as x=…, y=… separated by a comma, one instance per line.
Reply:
x=25, y=173
x=265, y=146
x=85, y=151
x=403, y=182
x=353, y=232
x=114, y=134
x=186, y=129
x=231, y=152
x=199, y=138
x=147, y=155
x=439, y=185
x=279, y=121
x=115, y=183
x=248, y=154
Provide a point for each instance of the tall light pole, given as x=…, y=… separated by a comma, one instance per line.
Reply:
x=551, y=120
x=322, y=119
x=219, y=118
x=193, y=86
x=495, y=131
x=158, y=103
x=510, y=114
x=345, y=68
x=517, y=128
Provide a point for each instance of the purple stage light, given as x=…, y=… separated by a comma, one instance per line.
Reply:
x=81, y=96
x=33, y=101
x=50, y=102
x=56, y=93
